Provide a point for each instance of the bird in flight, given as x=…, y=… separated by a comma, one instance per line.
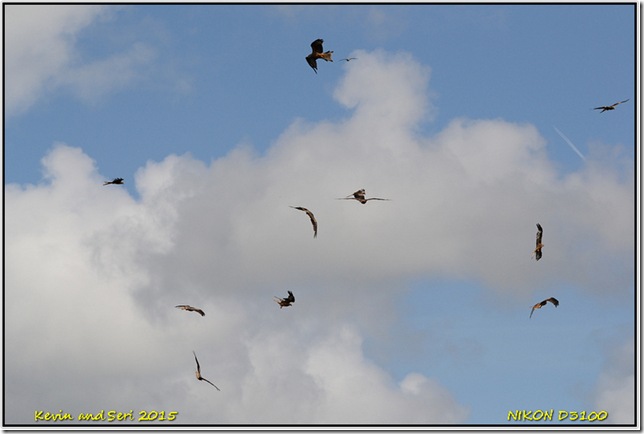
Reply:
x=314, y=222
x=543, y=303
x=190, y=309
x=348, y=59
x=114, y=181
x=198, y=373
x=285, y=302
x=360, y=197
x=609, y=107
x=537, y=251
x=317, y=52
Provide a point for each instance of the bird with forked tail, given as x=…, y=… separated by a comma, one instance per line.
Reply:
x=285, y=302
x=317, y=52
x=543, y=303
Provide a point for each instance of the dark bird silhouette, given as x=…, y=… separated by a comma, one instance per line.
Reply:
x=543, y=303
x=360, y=197
x=317, y=52
x=198, y=373
x=190, y=309
x=537, y=251
x=314, y=222
x=348, y=59
x=609, y=107
x=114, y=181
x=285, y=302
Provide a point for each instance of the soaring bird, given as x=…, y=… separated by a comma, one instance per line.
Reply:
x=360, y=197
x=198, y=373
x=348, y=59
x=317, y=52
x=285, y=302
x=609, y=107
x=190, y=309
x=537, y=251
x=114, y=181
x=312, y=217
x=543, y=303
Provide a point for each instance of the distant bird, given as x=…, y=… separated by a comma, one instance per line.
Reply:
x=348, y=59
x=190, y=309
x=317, y=52
x=312, y=217
x=198, y=373
x=360, y=197
x=537, y=251
x=285, y=302
x=543, y=303
x=114, y=181
x=609, y=107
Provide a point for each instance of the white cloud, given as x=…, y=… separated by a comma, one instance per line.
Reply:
x=102, y=271
x=615, y=390
x=42, y=55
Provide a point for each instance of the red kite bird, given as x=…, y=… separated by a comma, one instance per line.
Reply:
x=609, y=107
x=198, y=373
x=285, y=302
x=348, y=59
x=317, y=52
x=360, y=197
x=312, y=217
x=190, y=309
x=114, y=181
x=537, y=251
x=543, y=303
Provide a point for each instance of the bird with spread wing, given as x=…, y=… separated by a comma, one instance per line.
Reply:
x=314, y=222
x=285, y=302
x=114, y=181
x=543, y=303
x=609, y=107
x=317, y=52
x=537, y=251
x=198, y=373
x=360, y=196
x=190, y=309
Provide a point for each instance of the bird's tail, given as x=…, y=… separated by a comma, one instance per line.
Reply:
x=107, y=182
x=327, y=56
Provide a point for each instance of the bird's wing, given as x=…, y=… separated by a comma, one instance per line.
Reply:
x=198, y=367
x=538, y=254
x=291, y=297
x=314, y=222
x=533, y=308
x=621, y=102
x=601, y=108
x=316, y=46
x=208, y=381
x=200, y=312
x=539, y=234
x=312, y=63
x=553, y=301
x=376, y=198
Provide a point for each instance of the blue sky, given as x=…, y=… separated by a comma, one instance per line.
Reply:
x=412, y=311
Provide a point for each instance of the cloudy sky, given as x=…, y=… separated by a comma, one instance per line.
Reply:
x=476, y=121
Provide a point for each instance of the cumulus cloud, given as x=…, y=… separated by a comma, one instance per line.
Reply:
x=101, y=271
x=615, y=390
x=41, y=55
